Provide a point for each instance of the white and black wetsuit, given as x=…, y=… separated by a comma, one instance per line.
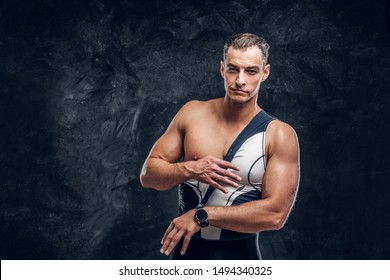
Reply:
x=248, y=152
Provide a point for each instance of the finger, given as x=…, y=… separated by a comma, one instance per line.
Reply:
x=218, y=186
x=186, y=241
x=167, y=240
x=170, y=227
x=227, y=181
x=175, y=239
x=226, y=173
x=225, y=164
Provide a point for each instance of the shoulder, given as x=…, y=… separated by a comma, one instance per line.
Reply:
x=280, y=130
x=194, y=109
x=280, y=136
x=194, y=105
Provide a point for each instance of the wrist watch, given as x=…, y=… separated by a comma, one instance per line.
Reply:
x=201, y=215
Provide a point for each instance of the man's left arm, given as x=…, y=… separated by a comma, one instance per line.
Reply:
x=280, y=185
x=279, y=189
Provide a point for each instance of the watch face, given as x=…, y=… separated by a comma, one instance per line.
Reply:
x=201, y=214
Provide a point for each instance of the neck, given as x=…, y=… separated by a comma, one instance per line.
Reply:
x=238, y=112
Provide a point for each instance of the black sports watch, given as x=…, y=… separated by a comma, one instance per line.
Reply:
x=201, y=215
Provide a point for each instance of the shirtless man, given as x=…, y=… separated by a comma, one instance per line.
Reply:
x=240, y=169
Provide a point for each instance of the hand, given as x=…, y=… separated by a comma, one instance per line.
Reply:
x=184, y=225
x=212, y=170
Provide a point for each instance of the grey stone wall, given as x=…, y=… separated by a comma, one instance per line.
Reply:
x=87, y=87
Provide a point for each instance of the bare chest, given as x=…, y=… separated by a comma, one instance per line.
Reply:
x=208, y=138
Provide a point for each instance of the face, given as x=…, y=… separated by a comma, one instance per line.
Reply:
x=243, y=73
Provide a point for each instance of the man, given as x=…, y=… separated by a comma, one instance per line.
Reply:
x=240, y=169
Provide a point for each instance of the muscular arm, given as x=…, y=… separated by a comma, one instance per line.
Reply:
x=161, y=170
x=280, y=185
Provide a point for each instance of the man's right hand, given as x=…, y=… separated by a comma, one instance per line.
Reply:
x=213, y=171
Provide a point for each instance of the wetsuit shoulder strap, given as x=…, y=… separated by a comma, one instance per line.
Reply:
x=258, y=124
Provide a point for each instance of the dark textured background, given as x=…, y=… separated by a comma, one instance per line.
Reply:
x=86, y=87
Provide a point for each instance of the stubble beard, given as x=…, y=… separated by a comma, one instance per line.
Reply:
x=240, y=99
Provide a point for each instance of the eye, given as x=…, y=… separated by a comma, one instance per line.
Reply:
x=251, y=72
x=232, y=70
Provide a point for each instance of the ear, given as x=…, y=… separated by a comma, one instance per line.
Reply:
x=222, y=69
x=266, y=71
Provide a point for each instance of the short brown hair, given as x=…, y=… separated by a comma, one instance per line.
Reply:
x=243, y=41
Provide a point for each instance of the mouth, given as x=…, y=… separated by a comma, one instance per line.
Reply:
x=239, y=91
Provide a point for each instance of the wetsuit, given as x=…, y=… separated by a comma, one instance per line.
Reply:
x=248, y=152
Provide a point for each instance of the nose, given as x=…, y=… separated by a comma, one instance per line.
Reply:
x=240, y=81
